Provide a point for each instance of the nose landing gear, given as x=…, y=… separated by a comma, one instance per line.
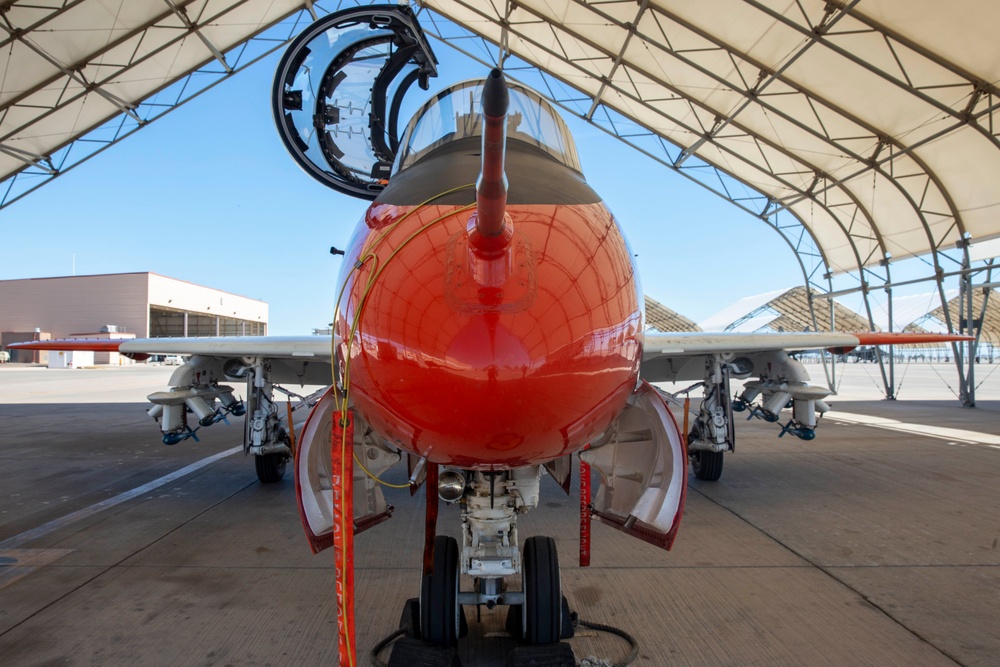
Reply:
x=440, y=613
x=537, y=614
x=542, y=610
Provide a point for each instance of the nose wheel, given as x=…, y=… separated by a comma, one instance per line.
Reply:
x=440, y=612
x=540, y=615
x=706, y=465
x=542, y=612
x=270, y=467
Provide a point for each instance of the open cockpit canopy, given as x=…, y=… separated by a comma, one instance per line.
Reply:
x=338, y=90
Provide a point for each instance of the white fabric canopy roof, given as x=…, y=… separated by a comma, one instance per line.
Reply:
x=873, y=121
x=734, y=311
x=69, y=66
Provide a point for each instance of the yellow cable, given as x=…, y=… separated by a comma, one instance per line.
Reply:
x=379, y=480
x=369, y=253
x=376, y=271
x=372, y=279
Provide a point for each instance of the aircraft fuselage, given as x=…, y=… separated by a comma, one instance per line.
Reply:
x=490, y=360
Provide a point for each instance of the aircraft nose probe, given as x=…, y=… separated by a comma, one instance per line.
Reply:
x=490, y=228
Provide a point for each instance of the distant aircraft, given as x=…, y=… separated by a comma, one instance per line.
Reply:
x=489, y=324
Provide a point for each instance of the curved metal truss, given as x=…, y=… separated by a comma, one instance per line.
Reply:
x=861, y=131
x=76, y=102
x=688, y=92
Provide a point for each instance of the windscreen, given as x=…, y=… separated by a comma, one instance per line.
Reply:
x=455, y=113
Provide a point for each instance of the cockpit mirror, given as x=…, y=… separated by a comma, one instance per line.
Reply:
x=338, y=90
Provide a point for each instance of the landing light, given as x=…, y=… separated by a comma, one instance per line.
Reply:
x=451, y=485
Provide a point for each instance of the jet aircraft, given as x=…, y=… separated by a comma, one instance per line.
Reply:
x=489, y=327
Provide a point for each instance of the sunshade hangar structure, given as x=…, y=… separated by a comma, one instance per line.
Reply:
x=864, y=132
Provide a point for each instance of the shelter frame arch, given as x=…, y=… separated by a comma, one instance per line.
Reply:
x=827, y=204
x=768, y=213
x=881, y=162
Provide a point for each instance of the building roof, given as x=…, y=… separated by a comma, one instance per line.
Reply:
x=784, y=310
x=907, y=310
x=131, y=273
x=782, y=97
x=773, y=102
x=71, y=67
x=664, y=320
x=990, y=319
x=725, y=318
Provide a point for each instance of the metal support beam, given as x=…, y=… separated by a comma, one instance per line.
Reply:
x=598, y=98
x=181, y=13
x=40, y=170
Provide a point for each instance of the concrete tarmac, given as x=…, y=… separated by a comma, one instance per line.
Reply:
x=875, y=544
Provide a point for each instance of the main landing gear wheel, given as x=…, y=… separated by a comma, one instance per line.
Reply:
x=542, y=613
x=270, y=467
x=439, y=608
x=706, y=465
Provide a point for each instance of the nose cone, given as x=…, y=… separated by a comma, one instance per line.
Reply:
x=520, y=372
x=487, y=344
x=498, y=396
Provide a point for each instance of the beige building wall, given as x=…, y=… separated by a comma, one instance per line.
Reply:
x=181, y=295
x=84, y=304
x=76, y=304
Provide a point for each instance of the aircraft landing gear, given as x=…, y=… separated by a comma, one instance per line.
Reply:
x=489, y=553
x=713, y=432
x=542, y=611
x=706, y=465
x=270, y=467
x=440, y=612
x=264, y=436
x=535, y=615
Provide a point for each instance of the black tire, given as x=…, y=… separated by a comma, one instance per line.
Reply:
x=542, y=612
x=707, y=466
x=439, y=609
x=270, y=467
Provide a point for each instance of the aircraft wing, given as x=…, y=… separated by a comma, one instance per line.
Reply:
x=780, y=381
x=302, y=360
x=267, y=347
x=271, y=347
x=668, y=357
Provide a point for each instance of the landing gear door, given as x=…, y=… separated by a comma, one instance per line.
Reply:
x=338, y=89
x=643, y=468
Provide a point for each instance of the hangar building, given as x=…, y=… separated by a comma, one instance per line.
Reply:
x=144, y=305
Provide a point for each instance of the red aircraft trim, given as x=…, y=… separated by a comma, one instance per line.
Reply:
x=72, y=345
x=315, y=433
x=80, y=345
x=318, y=541
x=632, y=526
x=696, y=343
x=896, y=338
x=362, y=524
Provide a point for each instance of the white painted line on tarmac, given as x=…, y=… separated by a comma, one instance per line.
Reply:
x=953, y=435
x=46, y=528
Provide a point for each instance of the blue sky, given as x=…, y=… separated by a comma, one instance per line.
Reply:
x=208, y=194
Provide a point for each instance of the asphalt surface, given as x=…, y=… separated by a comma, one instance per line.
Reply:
x=875, y=544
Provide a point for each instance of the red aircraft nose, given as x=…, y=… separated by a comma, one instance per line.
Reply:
x=499, y=364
